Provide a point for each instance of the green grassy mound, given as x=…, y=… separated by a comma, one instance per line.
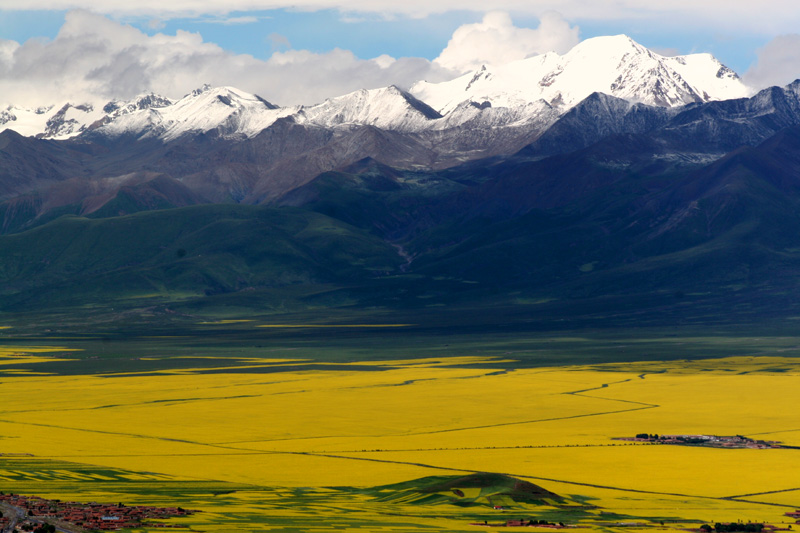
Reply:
x=480, y=489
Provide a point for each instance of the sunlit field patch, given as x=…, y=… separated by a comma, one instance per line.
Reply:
x=334, y=325
x=31, y=355
x=227, y=321
x=264, y=451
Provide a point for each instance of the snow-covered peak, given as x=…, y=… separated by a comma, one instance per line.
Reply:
x=614, y=65
x=220, y=101
x=116, y=108
x=65, y=119
x=483, y=114
x=200, y=90
x=70, y=120
x=531, y=90
x=23, y=120
x=705, y=73
x=387, y=108
x=59, y=121
x=608, y=45
x=227, y=110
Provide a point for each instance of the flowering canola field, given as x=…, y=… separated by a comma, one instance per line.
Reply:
x=269, y=445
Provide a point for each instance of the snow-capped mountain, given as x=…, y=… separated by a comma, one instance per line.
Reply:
x=528, y=178
x=236, y=114
x=231, y=112
x=117, y=108
x=615, y=65
x=485, y=107
x=389, y=108
x=67, y=120
x=59, y=121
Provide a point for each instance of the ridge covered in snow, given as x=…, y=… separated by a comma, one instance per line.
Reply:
x=535, y=90
x=229, y=110
x=389, y=108
x=67, y=120
x=615, y=65
x=59, y=121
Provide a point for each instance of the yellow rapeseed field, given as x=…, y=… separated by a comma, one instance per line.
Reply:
x=272, y=431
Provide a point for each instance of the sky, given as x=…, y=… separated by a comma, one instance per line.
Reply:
x=304, y=51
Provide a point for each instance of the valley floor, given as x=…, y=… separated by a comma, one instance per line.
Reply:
x=275, y=440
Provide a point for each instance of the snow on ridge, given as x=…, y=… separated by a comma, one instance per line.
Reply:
x=228, y=108
x=387, y=108
x=233, y=112
x=237, y=114
x=65, y=120
x=117, y=108
x=615, y=65
x=531, y=90
x=60, y=121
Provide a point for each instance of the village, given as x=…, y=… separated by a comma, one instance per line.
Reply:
x=32, y=513
x=726, y=527
x=527, y=523
x=712, y=441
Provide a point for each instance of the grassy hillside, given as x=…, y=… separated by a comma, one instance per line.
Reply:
x=192, y=251
x=576, y=238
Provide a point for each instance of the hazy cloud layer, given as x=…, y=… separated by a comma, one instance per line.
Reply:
x=230, y=21
x=772, y=17
x=778, y=63
x=495, y=41
x=95, y=56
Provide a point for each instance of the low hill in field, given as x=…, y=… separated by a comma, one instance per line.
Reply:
x=480, y=489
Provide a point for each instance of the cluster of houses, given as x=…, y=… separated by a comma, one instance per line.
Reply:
x=714, y=441
x=795, y=515
x=535, y=523
x=528, y=523
x=99, y=516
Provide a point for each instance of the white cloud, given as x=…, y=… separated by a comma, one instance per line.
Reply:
x=495, y=41
x=339, y=71
x=778, y=63
x=770, y=17
x=278, y=41
x=155, y=24
x=95, y=57
x=230, y=21
x=7, y=51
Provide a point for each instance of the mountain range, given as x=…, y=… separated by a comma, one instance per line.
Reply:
x=609, y=173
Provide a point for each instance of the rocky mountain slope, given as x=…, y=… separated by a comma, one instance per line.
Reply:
x=599, y=228
x=225, y=144
x=237, y=164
